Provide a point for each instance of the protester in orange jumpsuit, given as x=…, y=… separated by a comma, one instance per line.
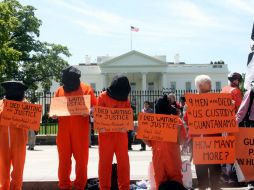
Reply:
x=12, y=142
x=72, y=137
x=233, y=89
x=228, y=172
x=116, y=96
x=166, y=155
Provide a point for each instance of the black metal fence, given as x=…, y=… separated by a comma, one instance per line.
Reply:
x=137, y=98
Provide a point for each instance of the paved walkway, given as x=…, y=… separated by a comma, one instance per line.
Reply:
x=40, y=171
x=42, y=163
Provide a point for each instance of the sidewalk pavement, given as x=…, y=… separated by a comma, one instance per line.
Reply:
x=41, y=166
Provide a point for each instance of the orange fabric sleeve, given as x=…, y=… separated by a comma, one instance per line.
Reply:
x=237, y=97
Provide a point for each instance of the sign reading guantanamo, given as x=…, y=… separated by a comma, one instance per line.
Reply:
x=210, y=113
x=157, y=127
x=70, y=105
x=21, y=115
x=113, y=119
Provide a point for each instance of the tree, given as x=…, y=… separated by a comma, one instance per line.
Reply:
x=23, y=56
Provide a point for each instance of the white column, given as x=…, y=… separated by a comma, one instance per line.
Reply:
x=164, y=80
x=144, y=81
x=105, y=80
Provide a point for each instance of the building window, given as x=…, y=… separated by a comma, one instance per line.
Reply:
x=133, y=85
x=218, y=85
x=187, y=85
x=93, y=85
x=150, y=86
x=173, y=85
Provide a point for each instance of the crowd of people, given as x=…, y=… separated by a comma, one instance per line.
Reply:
x=73, y=132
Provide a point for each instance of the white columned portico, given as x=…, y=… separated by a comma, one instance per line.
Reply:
x=164, y=80
x=144, y=81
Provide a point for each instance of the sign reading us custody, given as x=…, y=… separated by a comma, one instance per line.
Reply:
x=70, y=105
x=210, y=113
x=113, y=119
x=21, y=115
x=157, y=127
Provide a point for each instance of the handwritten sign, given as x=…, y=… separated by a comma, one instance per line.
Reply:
x=70, y=105
x=157, y=127
x=113, y=119
x=21, y=115
x=214, y=150
x=210, y=113
x=245, y=152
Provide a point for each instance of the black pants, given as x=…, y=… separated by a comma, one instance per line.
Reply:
x=208, y=175
x=130, y=139
x=143, y=145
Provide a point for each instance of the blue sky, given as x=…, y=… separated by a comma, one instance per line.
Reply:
x=199, y=30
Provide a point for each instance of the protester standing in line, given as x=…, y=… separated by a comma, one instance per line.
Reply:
x=207, y=172
x=146, y=109
x=12, y=142
x=166, y=155
x=73, y=131
x=235, y=80
x=110, y=143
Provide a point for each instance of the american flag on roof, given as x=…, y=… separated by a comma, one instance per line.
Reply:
x=134, y=29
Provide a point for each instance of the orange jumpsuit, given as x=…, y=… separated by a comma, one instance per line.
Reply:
x=167, y=160
x=110, y=143
x=12, y=152
x=72, y=139
x=236, y=95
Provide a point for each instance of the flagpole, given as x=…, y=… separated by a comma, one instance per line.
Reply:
x=131, y=38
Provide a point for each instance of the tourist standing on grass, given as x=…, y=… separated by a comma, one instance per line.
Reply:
x=72, y=137
x=12, y=142
x=110, y=143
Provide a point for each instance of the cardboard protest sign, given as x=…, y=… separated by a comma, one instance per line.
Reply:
x=157, y=127
x=210, y=113
x=70, y=105
x=245, y=152
x=21, y=115
x=214, y=150
x=113, y=119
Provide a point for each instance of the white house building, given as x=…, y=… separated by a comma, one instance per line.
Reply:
x=149, y=72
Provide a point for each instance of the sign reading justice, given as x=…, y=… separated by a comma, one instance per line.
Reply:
x=113, y=119
x=157, y=127
x=21, y=115
x=210, y=113
x=70, y=105
x=213, y=150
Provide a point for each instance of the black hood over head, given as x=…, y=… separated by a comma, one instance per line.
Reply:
x=163, y=106
x=14, y=90
x=70, y=79
x=119, y=88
